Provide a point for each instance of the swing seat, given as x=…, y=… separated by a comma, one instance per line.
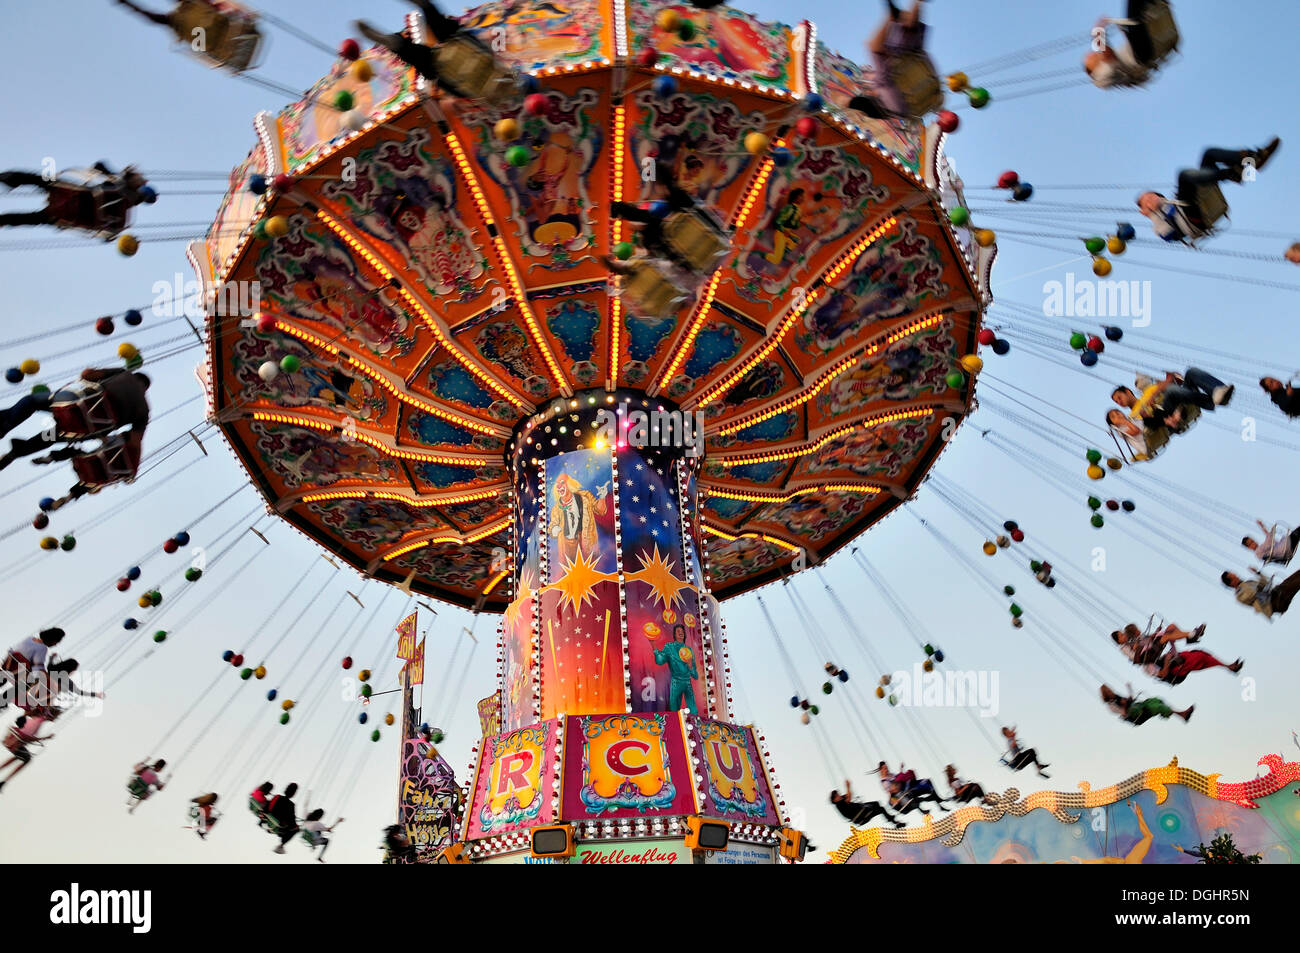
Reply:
x=1212, y=206
x=84, y=413
x=915, y=79
x=1160, y=26
x=114, y=462
x=468, y=69
x=651, y=291
x=696, y=239
x=229, y=34
x=137, y=789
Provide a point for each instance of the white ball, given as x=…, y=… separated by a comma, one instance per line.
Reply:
x=354, y=120
x=268, y=371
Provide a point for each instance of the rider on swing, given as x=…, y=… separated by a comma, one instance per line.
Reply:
x=96, y=200
x=1018, y=758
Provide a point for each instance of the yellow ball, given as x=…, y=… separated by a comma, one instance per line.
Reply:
x=972, y=363
x=755, y=143
x=388, y=719
x=984, y=237
x=30, y=366
x=958, y=82
x=1095, y=472
x=287, y=704
x=143, y=602
x=1114, y=463
x=363, y=675
x=49, y=542
x=506, y=129
x=277, y=226
x=260, y=671
x=362, y=71
x=990, y=548
x=880, y=692
x=1101, y=267
x=928, y=665
x=1116, y=245
x=127, y=351
x=128, y=245
x=668, y=20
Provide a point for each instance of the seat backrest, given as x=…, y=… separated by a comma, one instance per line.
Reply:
x=1210, y=200
x=917, y=81
x=698, y=241
x=1159, y=22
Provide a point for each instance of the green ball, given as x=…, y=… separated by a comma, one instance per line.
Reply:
x=1035, y=565
x=1009, y=590
x=978, y=96
x=284, y=718
x=290, y=363
x=1094, y=503
x=1093, y=456
x=344, y=100
x=623, y=250
x=1077, y=340
x=160, y=636
x=437, y=737
x=814, y=709
x=259, y=230
x=1094, y=245
x=955, y=379
x=69, y=544
x=365, y=691
x=246, y=673
x=929, y=649
x=193, y=574
x=155, y=598
x=686, y=30
x=374, y=735
x=39, y=390
x=1016, y=610
x=959, y=216
x=893, y=699
x=1097, y=520
x=827, y=688
x=518, y=156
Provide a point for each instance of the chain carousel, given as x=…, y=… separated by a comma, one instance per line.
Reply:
x=462, y=383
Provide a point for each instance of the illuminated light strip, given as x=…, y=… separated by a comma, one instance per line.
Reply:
x=797, y=311
x=794, y=401
x=774, y=497
x=369, y=440
x=616, y=236
x=397, y=497
x=697, y=322
x=516, y=288
x=452, y=348
x=791, y=547
x=382, y=381
x=760, y=180
x=420, y=544
x=496, y=581
x=742, y=459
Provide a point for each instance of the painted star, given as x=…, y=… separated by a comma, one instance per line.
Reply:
x=578, y=582
x=657, y=573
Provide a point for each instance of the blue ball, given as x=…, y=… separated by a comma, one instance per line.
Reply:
x=182, y=538
x=270, y=695
x=1001, y=346
x=148, y=194
x=1125, y=232
x=1088, y=358
x=13, y=375
x=363, y=718
x=658, y=209
x=257, y=183
x=781, y=157
x=1114, y=334
x=794, y=701
x=46, y=502
x=133, y=317
x=134, y=573
x=812, y=102
x=130, y=624
x=227, y=655
x=530, y=84
x=665, y=86
x=938, y=655
x=1022, y=192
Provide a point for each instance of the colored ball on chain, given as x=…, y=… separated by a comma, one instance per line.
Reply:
x=1009, y=525
x=182, y=538
x=265, y=323
x=806, y=127
x=282, y=182
x=1009, y=590
x=1096, y=344
x=388, y=719
x=40, y=390
x=1001, y=346
x=349, y=49
x=1095, y=472
x=40, y=521
x=623, y=250
x=1088, y=358
x=259, y=230
x=362, y=71
x=144, y=602
x=277, y=226
x=959, y=216
x=990, y=548
x=284, y=719
x=756, y=142
x=1018, y=535
x=130, y=624
x=1115, y=245
x=1016, y=610
x=257, y=183
x=506, y=129
x=353, y=120
x=270, y=694
x=806, y=718
x=246, y=674
x=1112, y=505
x=957, y=82
x=347, y=662
x=286, y=704
x=49, y=542
x=668, y=20
x=227, y=655
x=133, y=317
x=978, y=96
x=535, y=104
x=290, y=363
x=893, y=700
x=972, y=363
x=1125, y=232
x=813, y=102
x=365, y=691
x=13, y=375
x=344, y=100
x=237, y=660
x=123, y=584
x=1113, y=333
x=1093, y=456
x=665, y=86
x=648, y=56
x=814, y=709
x=268, y=371
x=1094, y=244
x=1022, y=192
x=955, y=379
x=518, y=156
x=827, y=688
x=363, y=718
x=1101, y=267
x=781, y=157
x=804, y=704
x=947, y=121
x=1094, y=503
x=47, y=502
x=985, y=237
x=1003, y=542
x=938, y=655
x=1035, y=565
x=1128, y=506
x=155, y=598
x=374, y=735
x=843, y=676
x=1077, y=340
x=259, y=672
x=880, y=692
x=127, y=245
x=133, y=573
x=170, y=546
x=363, y=675
x=1114, y=463
x=1017, y=622
x=1008, y=179
x=103, y=326
x=986, y=336
x=686, y=31
x=1097, y=520
x=928, y=665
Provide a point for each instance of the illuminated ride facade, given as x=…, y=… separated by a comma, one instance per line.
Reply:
x=447, y=388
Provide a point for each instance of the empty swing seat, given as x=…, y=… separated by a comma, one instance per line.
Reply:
x=230, y=35
x=696, y=239
x=651, y=291
x=470, y=70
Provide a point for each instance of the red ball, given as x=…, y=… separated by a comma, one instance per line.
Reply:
x=350, y=49
x=986, y=336
x=347, y=662
x=282, y=182
x=104, y=326
x=123, y=584
x=535, y=104
x=806, y=127
x=41, y=521
x=1008, y=180
x=1096, y=344
x=265, y=323
x=1018, y=535
x=236, y=660
x=170, y=546
x=948, y=121
x=648, y=56
x=1112, y=505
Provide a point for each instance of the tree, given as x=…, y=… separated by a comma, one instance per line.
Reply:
x=1222, y=850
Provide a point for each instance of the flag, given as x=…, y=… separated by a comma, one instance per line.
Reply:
x=415, y=666
x=406, y=638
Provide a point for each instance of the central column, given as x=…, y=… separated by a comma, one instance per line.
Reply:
x=610, y=612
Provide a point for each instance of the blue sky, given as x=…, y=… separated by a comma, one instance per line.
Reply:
x=116, y=91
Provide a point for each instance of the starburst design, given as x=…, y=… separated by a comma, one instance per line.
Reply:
x=578, y=582
x=516, y=608
x=657, y=573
